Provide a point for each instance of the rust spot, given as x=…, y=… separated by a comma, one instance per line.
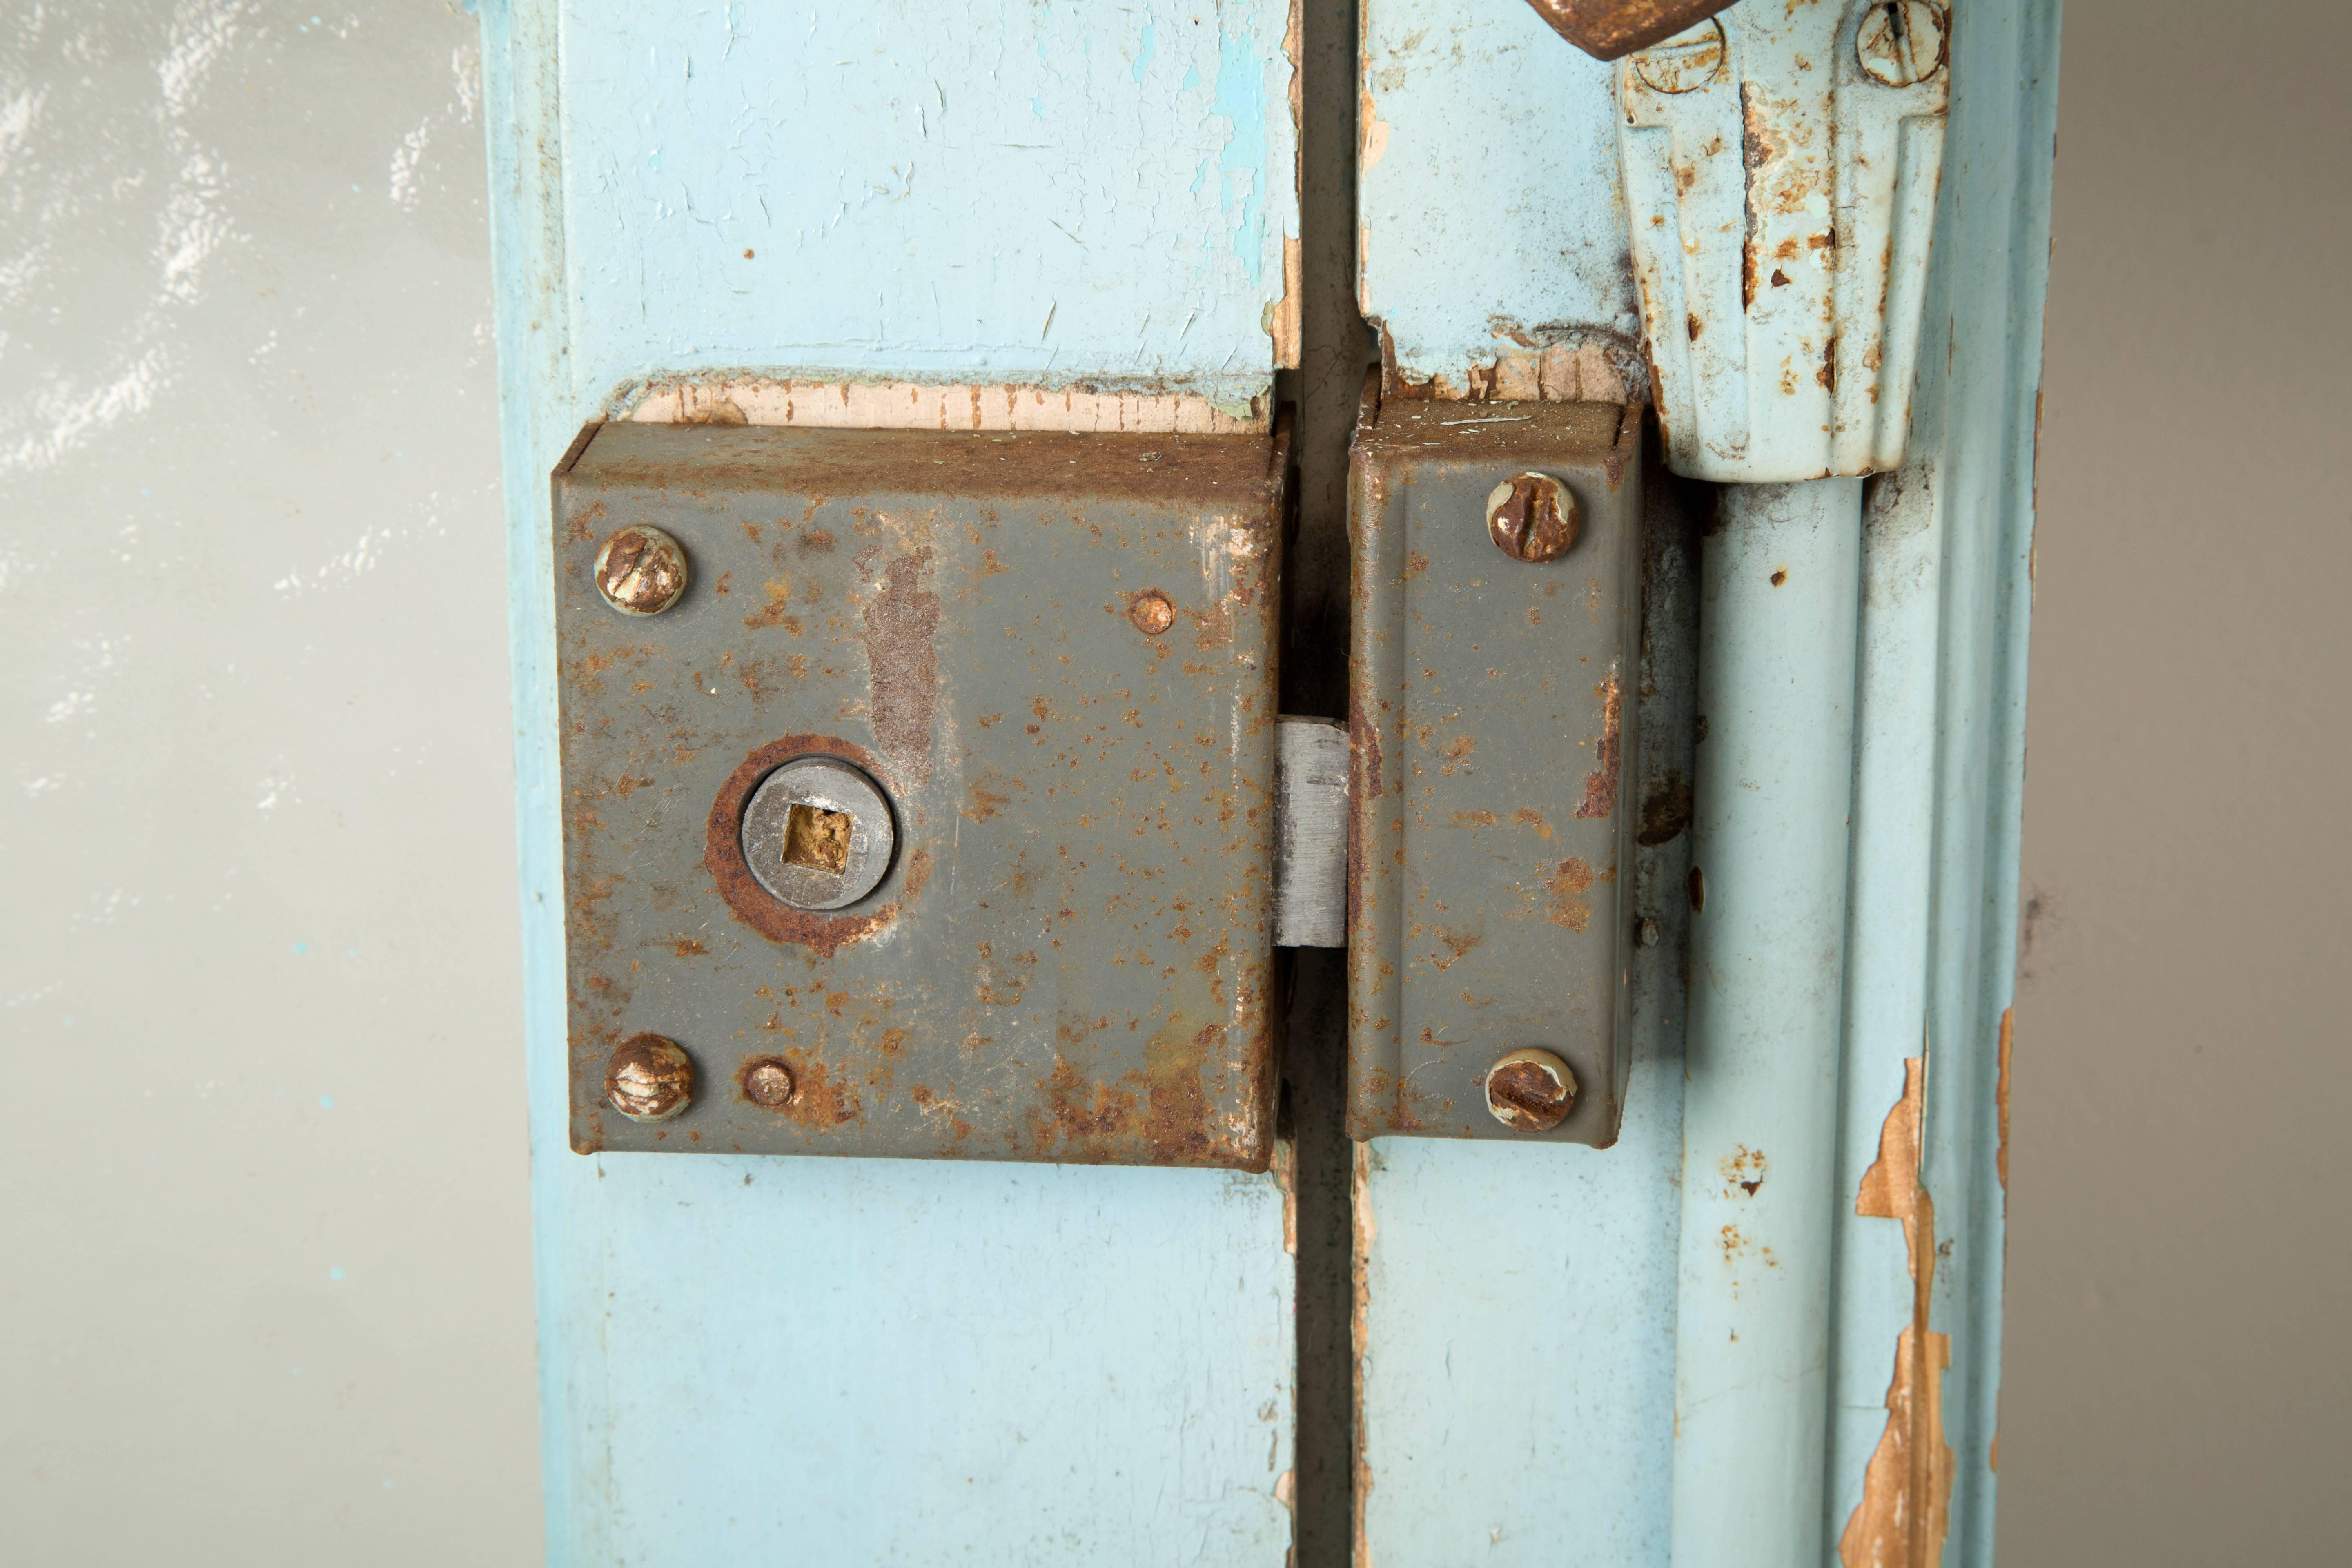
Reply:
x=722, y=852
x=903, y=665
x=1907, y=1487
x=1457, y=943
x=687, y=947
x=1600, y=783
x=1778, y=578
x=1529, y=817
x=1696, y=883
x=815, y=541
x=1744, y=1170
x=818, y=1099
x=1567, y=886
x=1665, y=811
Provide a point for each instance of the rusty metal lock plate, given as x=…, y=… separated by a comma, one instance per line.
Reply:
x=1054, y=658
x=1493, y=751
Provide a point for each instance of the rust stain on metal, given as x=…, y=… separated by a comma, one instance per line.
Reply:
x=1600, y=783
x=1567, y=886
x=1745, y=1169
x=903, y=664
x=1907, y=1492
x=820, y=1097
x=1160, y=1108
x=722, y=853
x=1696, y=885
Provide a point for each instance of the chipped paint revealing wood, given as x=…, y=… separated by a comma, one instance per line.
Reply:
x=1563, y=373
x=2001, y=1098
x=1906, y=1490
x=917, y=405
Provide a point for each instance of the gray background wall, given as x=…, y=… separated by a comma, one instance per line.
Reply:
x=267, y=1289
x=2177, y=1386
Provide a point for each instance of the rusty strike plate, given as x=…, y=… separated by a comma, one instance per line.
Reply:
x=1494, y=741
x=1056, y=655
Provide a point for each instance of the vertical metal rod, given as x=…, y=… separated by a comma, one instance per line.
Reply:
x=1780, y=597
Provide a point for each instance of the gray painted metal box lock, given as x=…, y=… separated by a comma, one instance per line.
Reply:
x=917, y=791
x=924, y=793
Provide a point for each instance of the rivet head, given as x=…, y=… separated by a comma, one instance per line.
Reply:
x=1532, y=517
x=1900, y=43
x=1151, y=613
x=640, y=570
x=649, y=1079
x=768, y=1082
x=1530, y=1091
x=818, y=834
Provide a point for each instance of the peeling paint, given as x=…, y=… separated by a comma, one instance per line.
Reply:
x=1907, y=1492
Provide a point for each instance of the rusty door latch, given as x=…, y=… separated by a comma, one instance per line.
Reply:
x=924, y=793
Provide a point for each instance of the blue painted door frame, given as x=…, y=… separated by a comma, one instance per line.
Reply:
x=867, y=1361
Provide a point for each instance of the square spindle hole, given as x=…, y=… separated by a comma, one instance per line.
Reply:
x=818, y=839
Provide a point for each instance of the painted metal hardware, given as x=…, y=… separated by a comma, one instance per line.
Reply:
x=1781, y=166
x=936, y=817
x=1493, y=709
x=1607, y=29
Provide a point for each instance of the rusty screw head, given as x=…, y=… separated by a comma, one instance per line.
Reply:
x=768, y=1083
x=1151, y=613
x=1532, y=517
x=649, y=1079
x=1900, y=43
x=1530, y=1091
x=640, y=570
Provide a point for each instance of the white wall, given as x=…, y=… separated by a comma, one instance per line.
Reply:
x=266, y=1295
